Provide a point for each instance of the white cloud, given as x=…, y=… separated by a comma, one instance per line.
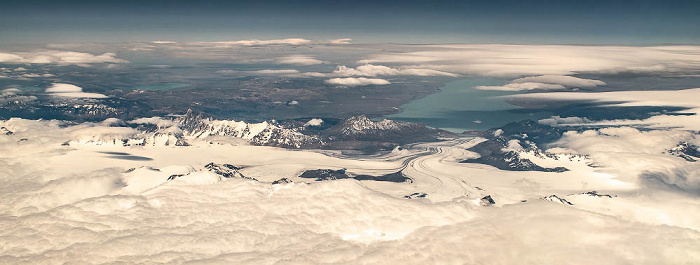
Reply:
x=528, y=60
x=357, y=81
x=298, y=59
x=160, y=122
x=14, y=95
x=557, y=121
x=63, y=88
x=568, y=81
x=10, y=58
x=340, y=41
x=59, y=58
x=314, y=74
x=314, y=122
x=521, y=87
x=376, y=70
x=70, y=91
x=632, y=154
x=686, y=98
x=290, y=41
x=9, y=92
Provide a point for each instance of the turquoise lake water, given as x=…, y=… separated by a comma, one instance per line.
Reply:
x=459, y=107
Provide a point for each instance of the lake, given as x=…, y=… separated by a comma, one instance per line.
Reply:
x=459, y=107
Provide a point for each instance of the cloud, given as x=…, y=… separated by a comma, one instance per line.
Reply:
x=568, y=81
x=340, y=41
x=13, y=95
x=557, y=121
x=298, y=59
x=9, y=92
x=70, y=91
x=160, y=122
x=314, y=122
x=11, y=58
x=636, y=156
x=528, y=60
x=686, y=98
x=290, y=41
x=522, y=86
x=376, y=70
x=357, y=81
x=59, y=58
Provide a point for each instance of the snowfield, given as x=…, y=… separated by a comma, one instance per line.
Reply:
x=87, y=202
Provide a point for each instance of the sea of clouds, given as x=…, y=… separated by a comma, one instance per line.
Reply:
x=79, y=204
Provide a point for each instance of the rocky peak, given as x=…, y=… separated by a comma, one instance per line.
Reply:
x=361, y=128
x=191, y=122
x=685, y=150
x=555, y=198
x=358, y=124
x=282, y=181
x=226, y=170
x=487, y=201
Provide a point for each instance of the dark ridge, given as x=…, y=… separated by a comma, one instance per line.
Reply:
x=511, y=161
x=557, y=199
x=416, y=195
x=596, y=194
x=528, y=133
x=324, y=174
x=487, y=201
x=686, y=150
x=282, y=181
x=227, y=170
x=397, y=177
x=330, y=174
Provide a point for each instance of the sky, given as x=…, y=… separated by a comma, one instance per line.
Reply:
x=502, y=21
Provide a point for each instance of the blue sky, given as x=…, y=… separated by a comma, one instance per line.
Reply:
x=499, y=21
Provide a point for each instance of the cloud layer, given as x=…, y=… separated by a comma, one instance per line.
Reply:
x=377, y=70
x=59, y=58
x=545, y=82
x=70, y=91
x=522, y=86
x=298, y=59
x=679, y=98
x=357, y=81
x=529, y=60
x=81, y=205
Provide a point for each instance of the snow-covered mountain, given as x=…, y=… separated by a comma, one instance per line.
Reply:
x=178, y=130
x=687, y=151
x=263, y=133
x=364, y=129
x=503, y=147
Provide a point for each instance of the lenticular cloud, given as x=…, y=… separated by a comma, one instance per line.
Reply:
x=70, y=91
